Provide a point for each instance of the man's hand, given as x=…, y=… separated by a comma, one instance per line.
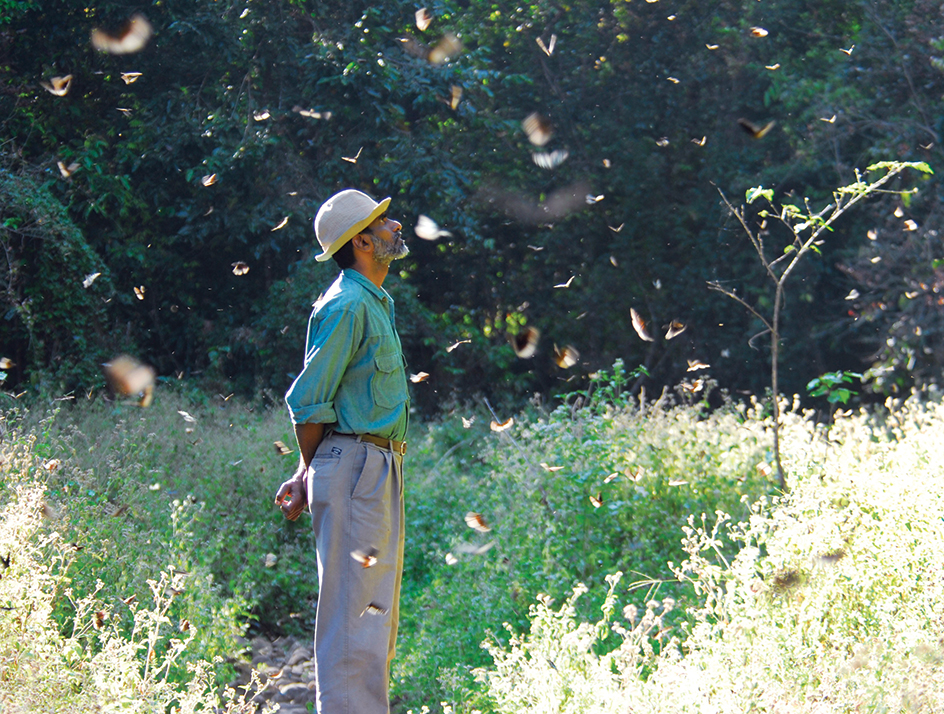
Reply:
x=292, y=496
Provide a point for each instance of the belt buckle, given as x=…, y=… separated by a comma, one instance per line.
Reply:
x=402, y=449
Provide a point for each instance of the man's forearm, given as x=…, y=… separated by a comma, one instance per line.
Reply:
x=308, y=437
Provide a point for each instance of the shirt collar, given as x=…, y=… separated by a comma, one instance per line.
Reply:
x=378, y=292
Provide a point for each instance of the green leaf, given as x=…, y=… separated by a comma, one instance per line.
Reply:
x=753, y=193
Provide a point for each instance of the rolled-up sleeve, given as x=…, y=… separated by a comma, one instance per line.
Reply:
x=332, y=339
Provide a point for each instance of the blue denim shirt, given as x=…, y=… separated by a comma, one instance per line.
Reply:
x=354, y=377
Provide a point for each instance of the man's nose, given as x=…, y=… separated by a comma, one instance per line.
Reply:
x=397, y=224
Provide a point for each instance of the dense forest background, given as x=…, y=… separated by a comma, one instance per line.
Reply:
x=246, y=115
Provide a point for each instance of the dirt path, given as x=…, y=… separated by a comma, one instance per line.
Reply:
x=286, y=664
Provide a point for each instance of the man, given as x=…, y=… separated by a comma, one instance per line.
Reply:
x=350, y=407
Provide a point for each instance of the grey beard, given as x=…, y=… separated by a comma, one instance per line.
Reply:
x=385, y=253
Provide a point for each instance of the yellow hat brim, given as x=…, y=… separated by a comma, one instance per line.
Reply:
x=353, y=231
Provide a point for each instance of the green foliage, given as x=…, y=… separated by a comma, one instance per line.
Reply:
x=104, y=653
x=49, y=316
x=832, y=596
x=649, y=466
x=831, y=385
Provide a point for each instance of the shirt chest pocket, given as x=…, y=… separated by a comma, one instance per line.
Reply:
x=388, y=385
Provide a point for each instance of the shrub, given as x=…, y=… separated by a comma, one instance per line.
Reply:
x=831, y=604
x=88, y=661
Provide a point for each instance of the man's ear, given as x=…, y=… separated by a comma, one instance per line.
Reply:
x=362, y=241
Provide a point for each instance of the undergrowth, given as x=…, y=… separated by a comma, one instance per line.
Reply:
x=831, y=603
x=133, y=531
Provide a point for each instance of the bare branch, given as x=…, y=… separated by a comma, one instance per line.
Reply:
x=715, y=285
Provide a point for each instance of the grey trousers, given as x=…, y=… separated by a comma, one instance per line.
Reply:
x=355, y=494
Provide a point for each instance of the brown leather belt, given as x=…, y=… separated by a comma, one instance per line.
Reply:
x=397, y=447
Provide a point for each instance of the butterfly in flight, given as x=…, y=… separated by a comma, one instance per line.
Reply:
x=755, y=131
x=525, y=343
x=565, y=357
x=477, y=522
x=132, y=38
x=640, y=326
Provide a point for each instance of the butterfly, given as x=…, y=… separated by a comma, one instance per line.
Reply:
x=772, y=67
x=423, y=18
x=910, y=225
x=550, y=160
x=127, y=376
x=617, y=229
x=99, y=618
x=208, y=180
x=188, y=417
x=419, y=377
x=240, y=268
x=261, y=116
x=271, y=558
x=538, y=129
x=566, y=356
x=451, y=559
x=712, y=47
x=281, y=449
x=311, y=113
x=456, y=97
x=89, y=279
x=597, y=500
x=67, y=171
x=551, y=469
x=847, y=52
x=640, y=326
x=130, y=77
x=453, y=346
x=676, y=328
x=613, y=476
x=353, y=159
x=831, y=120
x=58, y=85
x=184, y=625
x=374, y=609
x=427, y=229
x=476, y=521
x=662, y=141
x=467, y=423
x=504, y=426
x=759, y=32
x=673, y=80
x=548, y=49
x=5, y=561
x=756, y=132
x=693, y=387
x=694, y=365
x=367, y=557
x=567, y=284
x=677, y=482
x=475, y=549
x=7, y=363
x=132, y=38
x=448, y=48
x=700, y=142
x=280, y=226
x=525, y=343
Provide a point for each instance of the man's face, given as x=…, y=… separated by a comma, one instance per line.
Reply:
x=388, y=241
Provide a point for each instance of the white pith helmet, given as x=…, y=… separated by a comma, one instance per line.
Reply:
x=342, y=217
